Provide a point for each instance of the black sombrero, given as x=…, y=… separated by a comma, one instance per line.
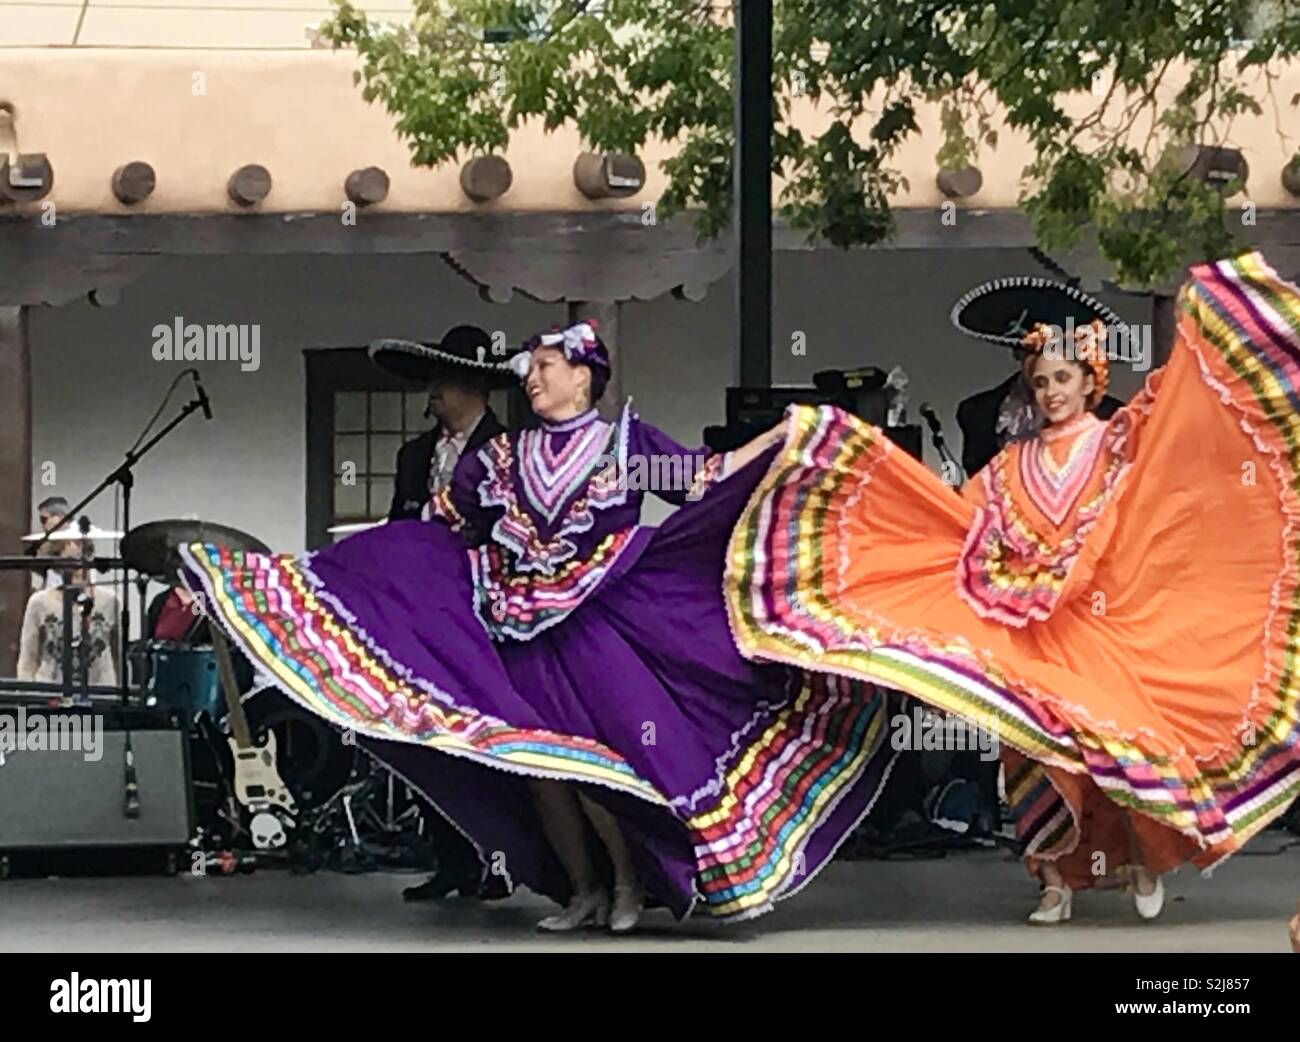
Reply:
x=1002, y=311
x=462, y=347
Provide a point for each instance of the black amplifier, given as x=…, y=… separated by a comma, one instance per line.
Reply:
x=64, y=776
x=752, y=411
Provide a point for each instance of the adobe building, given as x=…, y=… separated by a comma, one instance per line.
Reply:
x=215, y=168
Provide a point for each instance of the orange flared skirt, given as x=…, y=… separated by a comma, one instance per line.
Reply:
x=1151, y=669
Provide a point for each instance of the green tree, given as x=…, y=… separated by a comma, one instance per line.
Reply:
x=467, y=72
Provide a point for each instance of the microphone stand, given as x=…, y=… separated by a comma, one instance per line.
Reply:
x=949, y=461
x=122, y=476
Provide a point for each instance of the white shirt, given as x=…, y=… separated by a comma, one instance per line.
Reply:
x=447, y=451
x=52, y=581
x=40, y=652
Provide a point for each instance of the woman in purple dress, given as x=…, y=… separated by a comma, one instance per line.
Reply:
x=560, y=681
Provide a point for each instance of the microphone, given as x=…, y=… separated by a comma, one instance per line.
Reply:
x=931, y=420
x=204, y=403
x=951, y=471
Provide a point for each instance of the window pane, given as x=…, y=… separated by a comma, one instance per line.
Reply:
x=350, y=501
x=386, y=411
x=381, y=497
x=350, y=411
x=350, y=448
x=500, y=403
x=383, y=453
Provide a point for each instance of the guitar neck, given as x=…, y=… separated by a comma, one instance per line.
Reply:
x=230, y=689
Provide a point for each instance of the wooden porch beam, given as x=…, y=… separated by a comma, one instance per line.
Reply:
x=15, y=474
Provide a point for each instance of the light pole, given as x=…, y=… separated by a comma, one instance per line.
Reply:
x=753, y=190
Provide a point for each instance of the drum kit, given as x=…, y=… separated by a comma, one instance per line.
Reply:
x=272, y=782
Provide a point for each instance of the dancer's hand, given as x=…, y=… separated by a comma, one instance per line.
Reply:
x=751, y=450
x=1295, y=930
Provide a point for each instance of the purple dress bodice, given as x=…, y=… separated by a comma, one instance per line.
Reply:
x=550, y=512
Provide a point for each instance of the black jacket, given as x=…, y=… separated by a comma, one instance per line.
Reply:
x=977, y=416
x=411, y=488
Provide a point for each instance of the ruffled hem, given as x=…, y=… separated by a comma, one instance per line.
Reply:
x=777, y=791
x=381, y=699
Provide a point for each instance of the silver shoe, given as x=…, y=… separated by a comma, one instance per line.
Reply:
x=628, y=904
x=583, y=910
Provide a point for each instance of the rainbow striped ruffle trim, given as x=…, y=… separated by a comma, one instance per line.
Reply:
x=749, y=825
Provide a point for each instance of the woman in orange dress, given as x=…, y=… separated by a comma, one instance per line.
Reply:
x=1119, y=602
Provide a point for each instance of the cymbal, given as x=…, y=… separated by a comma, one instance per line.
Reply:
x=64, y=534
x=152, y=548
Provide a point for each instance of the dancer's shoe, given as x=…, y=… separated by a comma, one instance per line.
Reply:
x=628, y=903
x=591, y=909
x=1059, y=912
x=1149, y=905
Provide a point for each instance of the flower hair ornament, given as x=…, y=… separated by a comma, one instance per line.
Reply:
x=1088, y=347
x=579, y=342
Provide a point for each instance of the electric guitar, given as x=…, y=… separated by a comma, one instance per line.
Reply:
x=258, y=787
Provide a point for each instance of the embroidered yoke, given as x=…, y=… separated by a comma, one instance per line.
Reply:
x=1038, y=501
x=551, y=512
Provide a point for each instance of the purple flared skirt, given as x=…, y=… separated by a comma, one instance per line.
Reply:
x=733, y=782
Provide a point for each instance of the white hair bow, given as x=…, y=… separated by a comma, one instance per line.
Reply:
x=577, y=339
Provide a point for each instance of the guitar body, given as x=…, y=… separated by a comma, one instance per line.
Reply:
x=258, y=787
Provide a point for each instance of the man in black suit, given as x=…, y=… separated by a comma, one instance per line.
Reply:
x=460, y=372
x=458, y=401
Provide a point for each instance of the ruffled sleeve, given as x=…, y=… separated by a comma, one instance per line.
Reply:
x=671, y=471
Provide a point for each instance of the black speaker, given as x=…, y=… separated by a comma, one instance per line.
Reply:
x=753, y=410
x=64, y=779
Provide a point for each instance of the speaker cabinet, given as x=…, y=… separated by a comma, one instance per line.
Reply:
x=68, y=789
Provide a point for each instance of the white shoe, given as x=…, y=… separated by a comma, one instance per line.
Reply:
x=628, y=903
x=1149, y=905
x=583, y=910
x=1059, y=912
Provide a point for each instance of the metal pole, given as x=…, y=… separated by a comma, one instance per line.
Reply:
x=753, y=187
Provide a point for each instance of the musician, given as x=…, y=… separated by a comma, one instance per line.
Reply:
x=96, y=615
x=173, y=617
x=458, y=384
x=459, y=371
x=52, y=514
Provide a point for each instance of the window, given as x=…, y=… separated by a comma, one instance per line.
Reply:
x=369, y=428
x=358, y=416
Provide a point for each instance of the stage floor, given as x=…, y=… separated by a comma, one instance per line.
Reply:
x=966, y=902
